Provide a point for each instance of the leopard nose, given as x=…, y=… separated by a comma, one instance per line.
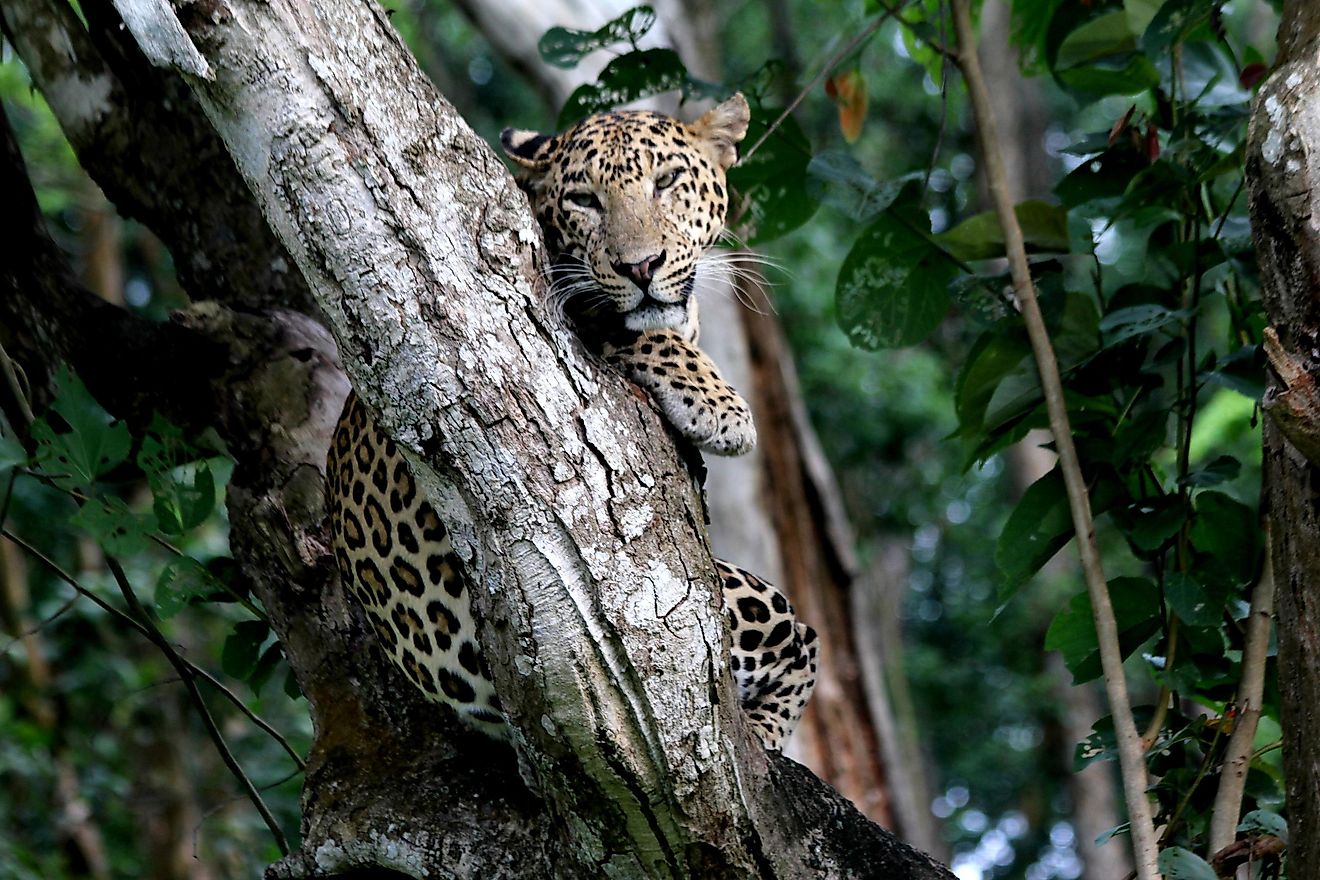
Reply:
x=641, y=273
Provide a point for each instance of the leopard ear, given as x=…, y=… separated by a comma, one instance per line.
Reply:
x=530, y=149
x=723, y=126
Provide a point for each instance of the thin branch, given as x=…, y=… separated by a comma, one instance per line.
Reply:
x=838, y=56
x=1131, y=755
x=1251, y=693
x=208, y=721
x=16, y=383
x=196, y=670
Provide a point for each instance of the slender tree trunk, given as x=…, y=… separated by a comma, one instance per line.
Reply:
x=1283, y=175
x=420, y=251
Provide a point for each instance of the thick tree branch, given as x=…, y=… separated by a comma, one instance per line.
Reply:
x=1131, y=751
x=139, y=133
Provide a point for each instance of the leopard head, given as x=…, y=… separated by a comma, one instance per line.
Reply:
x=629, y=201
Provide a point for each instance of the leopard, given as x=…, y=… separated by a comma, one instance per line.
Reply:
x=629, y=202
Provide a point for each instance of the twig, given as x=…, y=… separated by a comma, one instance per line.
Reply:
x=208, y=721
x=261, y=723
x=838, y=56
x=1131, y=755
x=1251, y=693
x=11, y=371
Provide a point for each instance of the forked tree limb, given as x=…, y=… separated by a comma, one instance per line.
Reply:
x=1131, y=752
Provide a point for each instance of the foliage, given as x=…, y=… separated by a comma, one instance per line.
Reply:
x=148, y=501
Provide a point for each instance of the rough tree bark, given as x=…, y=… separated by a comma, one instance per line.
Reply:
x=643, y=771
x=774, y=511
x=1283, y=176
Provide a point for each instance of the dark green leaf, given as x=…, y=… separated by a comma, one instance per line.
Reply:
x=291, y=686
x=1229, y=531
x=118, y=530
x=631, y=77
x=12, y=453
x=1174, y=21
x=893, y=286
x=1136, y=605
x=1044, y=229
x=1264, y=822
x=242, y=648
x=1127, y=323
x=1039, y=527
x=1102, y=744
x=94, y=444
x=563, y=47
x=772, y=182
x=182, y=581
x=834, y=178
x=270, y=659
x=994, y=356
x=1176, y=863
x=1192, y=600
x=1223, y=469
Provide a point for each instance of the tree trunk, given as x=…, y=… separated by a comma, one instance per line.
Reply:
x=599, y=596
x=759, y=504
x=1283, y=175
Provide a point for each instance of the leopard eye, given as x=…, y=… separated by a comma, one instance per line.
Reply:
x=584, y=199
x=667, y=179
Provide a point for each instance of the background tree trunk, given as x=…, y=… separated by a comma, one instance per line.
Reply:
x=592, y=621
x=1283, y=175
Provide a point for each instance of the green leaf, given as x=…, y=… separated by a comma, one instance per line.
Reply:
x=94, y=444
x=118, y=530
x=772, y=182
x=270, y=659
x=994, y=356
x=291, y=688
x=564, y=48
x=1176, y=863
x=180, y=582
x=1102, y=744
x=1229, y=531
x=1193, y=600
x=893, y=285
x=1173, y=23
x=180, y=506
x=834, y=178
x=629, y=78
x=1039, y=527
x=242, y=648
x=1127, y=323
x=12, y=453
x=1044, y=229
x=1223, y=469
x=1136, y=604
x=1264, y=822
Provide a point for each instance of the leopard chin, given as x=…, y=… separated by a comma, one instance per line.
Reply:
x=654, y=315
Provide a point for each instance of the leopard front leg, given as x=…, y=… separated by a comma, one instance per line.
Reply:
x=773, y=658
x=687, y=387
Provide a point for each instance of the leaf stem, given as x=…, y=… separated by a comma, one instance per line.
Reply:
x=1131, y=754
x=834, y=59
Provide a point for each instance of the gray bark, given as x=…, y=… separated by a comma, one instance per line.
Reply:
x=430, y=287
x=1283, y=175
